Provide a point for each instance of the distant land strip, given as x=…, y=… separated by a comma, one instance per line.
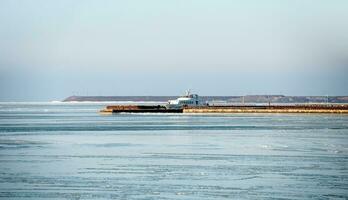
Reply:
x=218, y=99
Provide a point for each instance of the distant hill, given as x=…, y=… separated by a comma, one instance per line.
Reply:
x=226, y=99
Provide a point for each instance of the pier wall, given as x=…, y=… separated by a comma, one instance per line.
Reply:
x=334, y=109
x=265, y=109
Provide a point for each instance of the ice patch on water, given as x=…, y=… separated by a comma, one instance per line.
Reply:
x=54, y=102
x=274, y=147
x=265, y=146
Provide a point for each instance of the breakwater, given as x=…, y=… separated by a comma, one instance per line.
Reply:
x=339, y=109
x=312, y=108
x=139, y=109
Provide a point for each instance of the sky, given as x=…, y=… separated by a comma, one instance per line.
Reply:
x=50, y=49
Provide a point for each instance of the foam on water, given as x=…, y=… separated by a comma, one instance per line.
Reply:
x=70, y=151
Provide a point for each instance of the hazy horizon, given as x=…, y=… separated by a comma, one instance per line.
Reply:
x=50, y=50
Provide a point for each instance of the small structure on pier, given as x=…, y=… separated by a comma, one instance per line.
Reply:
x=188, y=100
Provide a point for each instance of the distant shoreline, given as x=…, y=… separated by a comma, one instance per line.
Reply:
x=218, y=99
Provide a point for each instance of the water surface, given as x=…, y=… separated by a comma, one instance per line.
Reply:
x=70, y=151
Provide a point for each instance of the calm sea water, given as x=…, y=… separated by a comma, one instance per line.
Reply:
x=70, y=151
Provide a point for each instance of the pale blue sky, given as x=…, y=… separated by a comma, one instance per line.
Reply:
x=52, y=49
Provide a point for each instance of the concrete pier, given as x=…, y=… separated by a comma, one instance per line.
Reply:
x=313, y=108
x=139, y=109
x=338, y=109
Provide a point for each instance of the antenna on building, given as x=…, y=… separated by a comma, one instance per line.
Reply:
x=188, y=92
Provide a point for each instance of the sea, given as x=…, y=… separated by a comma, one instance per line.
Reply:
x=60, y=150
